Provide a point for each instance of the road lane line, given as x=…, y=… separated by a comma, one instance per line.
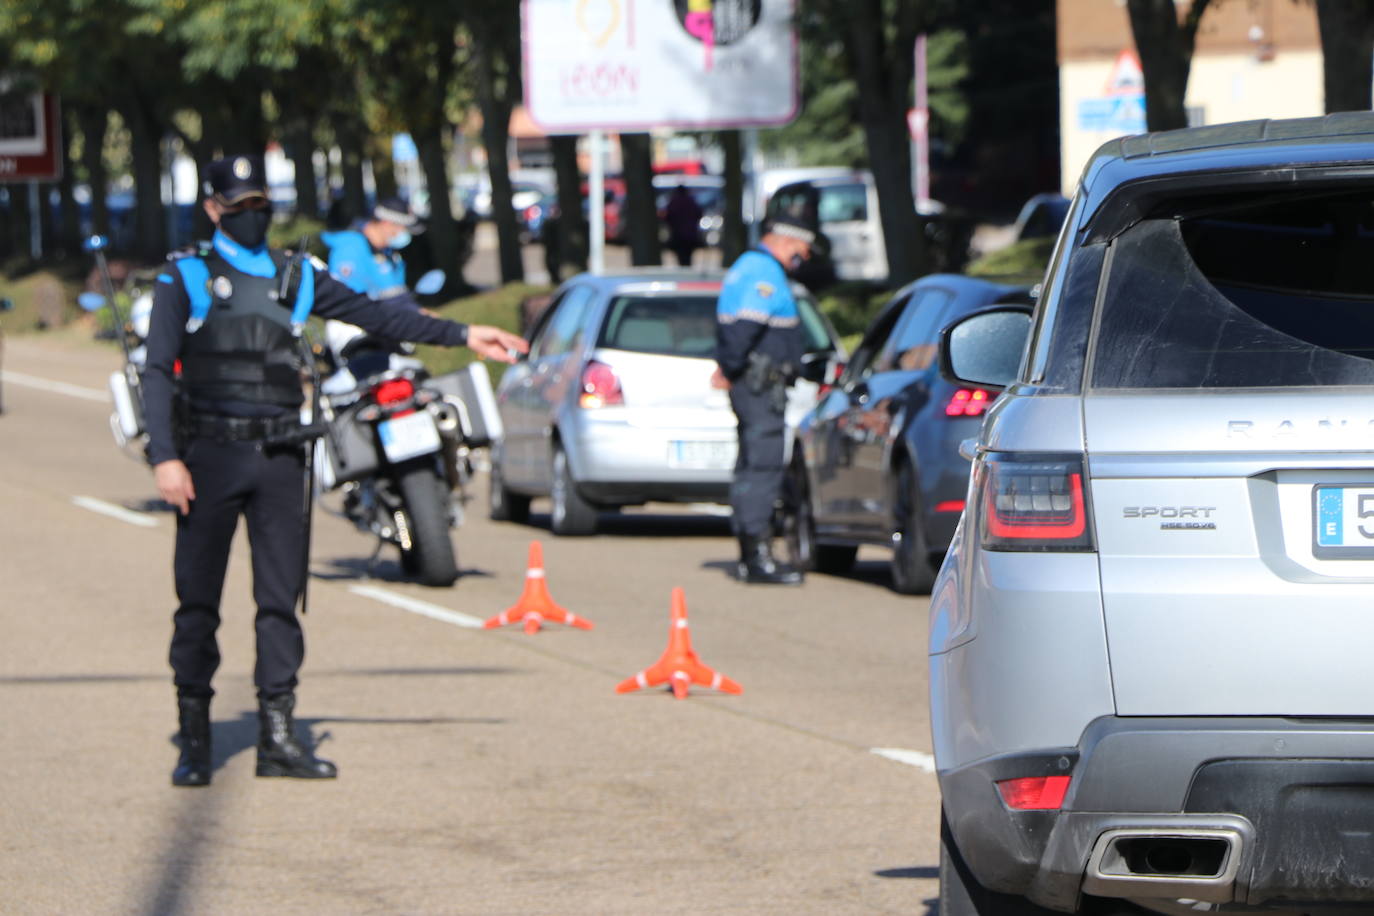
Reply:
x=911, y=758
x=113, y=511
x=710, y=509
x=415, y=606
x=74, y=391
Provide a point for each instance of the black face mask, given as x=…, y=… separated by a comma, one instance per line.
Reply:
x=247, y=227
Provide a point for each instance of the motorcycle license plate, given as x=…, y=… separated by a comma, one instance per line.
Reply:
x=409, y=436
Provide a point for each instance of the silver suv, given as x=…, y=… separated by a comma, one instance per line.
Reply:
x=1152, y=639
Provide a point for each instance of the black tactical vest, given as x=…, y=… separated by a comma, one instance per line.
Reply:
x=245, y=350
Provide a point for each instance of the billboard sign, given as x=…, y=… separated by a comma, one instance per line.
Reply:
x=30, y=141
x=641, y=64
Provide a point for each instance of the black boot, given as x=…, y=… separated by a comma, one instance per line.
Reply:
x=193, y=765
x=279, y=752
x=757, y=565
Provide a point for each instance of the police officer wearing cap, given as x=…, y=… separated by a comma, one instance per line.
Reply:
x=223, y=381
x=759, y=345
x=367, y=258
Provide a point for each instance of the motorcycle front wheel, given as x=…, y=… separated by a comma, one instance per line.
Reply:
x=425, y=502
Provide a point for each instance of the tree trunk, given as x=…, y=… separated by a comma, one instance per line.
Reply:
x=883, y=70
x=641, y=213
x=349, y=134
x=20, y=227
x=150, y=225
x=1165, y=47
x=1347, y=36
x=496, y=138
x=93, y=123
x=301, y=148
x=734, y=235
x=572, y=235
x=440, y=229
x=383, y=166
x=70, y=240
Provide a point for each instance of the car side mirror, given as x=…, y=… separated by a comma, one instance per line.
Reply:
x=984, y=349
x=815, y=366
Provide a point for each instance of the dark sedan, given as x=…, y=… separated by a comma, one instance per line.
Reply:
x=878, y=458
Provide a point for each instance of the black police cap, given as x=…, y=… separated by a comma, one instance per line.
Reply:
x=236, y=178
x=395, y=210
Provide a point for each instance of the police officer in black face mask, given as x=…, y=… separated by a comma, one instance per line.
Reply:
x=221, y=311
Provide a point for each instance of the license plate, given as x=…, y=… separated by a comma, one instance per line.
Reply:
x=708, y=455
x=1343, y=522
x=408, y=436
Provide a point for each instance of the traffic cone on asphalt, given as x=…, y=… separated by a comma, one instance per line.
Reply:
x=679, y=665
x=536, y=605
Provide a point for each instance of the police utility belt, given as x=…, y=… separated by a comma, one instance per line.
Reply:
x=241, y=429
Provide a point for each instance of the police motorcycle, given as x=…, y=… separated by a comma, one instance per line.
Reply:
x=125, y=384
x=401, y=442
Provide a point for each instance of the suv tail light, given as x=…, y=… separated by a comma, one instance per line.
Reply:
x=1034, y=793
x=1033, y=502
x=600, y=386
x=969, y=402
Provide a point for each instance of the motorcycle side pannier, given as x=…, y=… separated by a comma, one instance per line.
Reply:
x=471, y=385
x=350, y=450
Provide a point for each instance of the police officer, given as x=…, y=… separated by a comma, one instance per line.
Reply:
x=223, y=381
x=759, y=346
x=367, y=258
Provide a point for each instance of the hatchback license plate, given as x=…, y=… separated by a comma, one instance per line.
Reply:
x=1343, y=522
x=708, y=455
x=408, y=436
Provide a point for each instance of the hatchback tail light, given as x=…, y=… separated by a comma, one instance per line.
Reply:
x=969, y=402
x=1034, y=502
x=600, y=386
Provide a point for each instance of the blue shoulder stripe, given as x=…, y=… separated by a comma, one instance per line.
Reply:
x=195, y=276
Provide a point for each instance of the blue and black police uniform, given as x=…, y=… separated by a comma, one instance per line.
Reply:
x=757, y=314
x=216, y=315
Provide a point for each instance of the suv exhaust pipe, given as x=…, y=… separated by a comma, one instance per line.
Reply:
x=1194, y=863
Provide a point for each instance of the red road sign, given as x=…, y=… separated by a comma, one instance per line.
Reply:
x=30, y=138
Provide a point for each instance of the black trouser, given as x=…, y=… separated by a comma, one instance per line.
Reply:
x=758, y=466
x=267, y=488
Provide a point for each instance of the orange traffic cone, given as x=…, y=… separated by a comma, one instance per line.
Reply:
x=536, y=605
x=679, y=665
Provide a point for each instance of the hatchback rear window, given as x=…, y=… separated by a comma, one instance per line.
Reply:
x=1262, y=292
x=673, y=325
x=686, y=325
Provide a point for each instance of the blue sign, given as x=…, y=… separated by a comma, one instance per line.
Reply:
x=403, y=148
x=1117, y=114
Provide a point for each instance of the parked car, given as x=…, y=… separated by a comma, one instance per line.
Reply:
x=1041, y=217
x=535, y=215
x=878, y=459
x=1149, y=641
x=613, y=405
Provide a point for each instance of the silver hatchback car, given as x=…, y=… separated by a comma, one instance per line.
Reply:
x=613, y=405
x=1151, y=682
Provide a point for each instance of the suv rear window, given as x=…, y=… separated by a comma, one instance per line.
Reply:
x=1259, y=292
x=685, y=325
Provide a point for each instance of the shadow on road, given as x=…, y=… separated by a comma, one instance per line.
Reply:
x=651, y=524
x=361, y=569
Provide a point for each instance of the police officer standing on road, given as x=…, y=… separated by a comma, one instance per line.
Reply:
x=224, y=313
x=759, y=346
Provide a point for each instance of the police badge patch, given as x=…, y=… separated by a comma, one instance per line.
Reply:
x=243, y=169
x=765, y=290
x=222, y=288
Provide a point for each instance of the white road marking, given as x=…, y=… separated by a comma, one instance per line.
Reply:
x=74, y=391
x=911, y=758
x=415, y=606
x=113, y=511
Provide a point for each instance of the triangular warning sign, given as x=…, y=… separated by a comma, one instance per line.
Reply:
x=1126, y=77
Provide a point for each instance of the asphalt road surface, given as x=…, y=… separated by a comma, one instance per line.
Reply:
x=481, y=771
